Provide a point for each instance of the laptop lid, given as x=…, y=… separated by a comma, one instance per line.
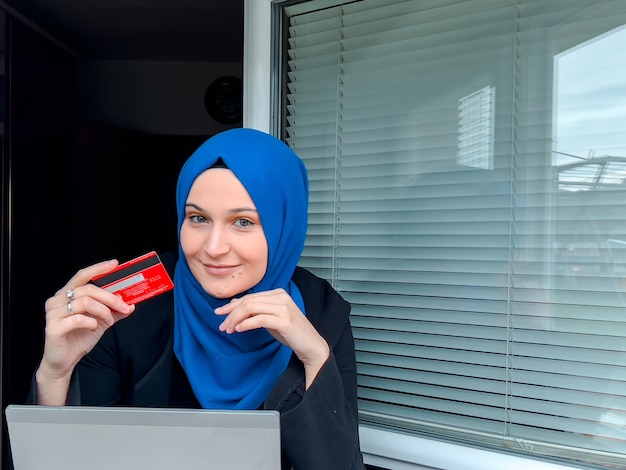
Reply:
x=80, y=437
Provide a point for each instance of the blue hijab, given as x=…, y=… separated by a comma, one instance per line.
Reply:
x=237, y=371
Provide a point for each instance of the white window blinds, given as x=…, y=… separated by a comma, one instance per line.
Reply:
x=467, y=164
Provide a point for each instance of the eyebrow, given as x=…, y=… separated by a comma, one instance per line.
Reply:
x=231, y=211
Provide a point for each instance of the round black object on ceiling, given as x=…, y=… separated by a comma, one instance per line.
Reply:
x=223, y=98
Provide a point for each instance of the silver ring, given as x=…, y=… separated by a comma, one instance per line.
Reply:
x=69, y=308
x=69, y=294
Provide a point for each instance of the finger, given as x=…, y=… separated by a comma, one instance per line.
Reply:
x=229, y=307
x=112, y=301
x=84, y=275
x=88, y=306
x=253, y=307
x=265, y=294
x=71, y=323
x=254, y=322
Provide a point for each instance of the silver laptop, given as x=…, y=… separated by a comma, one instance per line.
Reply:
x=112, y=438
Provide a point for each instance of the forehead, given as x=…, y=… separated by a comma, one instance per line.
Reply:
x=218, y=185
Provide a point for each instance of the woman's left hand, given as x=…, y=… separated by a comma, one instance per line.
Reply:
x=276, y=311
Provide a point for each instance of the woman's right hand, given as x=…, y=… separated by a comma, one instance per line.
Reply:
x=76, y=318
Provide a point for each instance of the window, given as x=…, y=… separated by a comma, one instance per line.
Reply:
x=467, y=165
x=476, y=121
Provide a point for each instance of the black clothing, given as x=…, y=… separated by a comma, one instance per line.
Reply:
x=134, y=365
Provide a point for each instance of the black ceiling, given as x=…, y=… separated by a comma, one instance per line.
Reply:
x=162, y=30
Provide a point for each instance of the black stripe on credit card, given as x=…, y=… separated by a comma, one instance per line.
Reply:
x=124, y=271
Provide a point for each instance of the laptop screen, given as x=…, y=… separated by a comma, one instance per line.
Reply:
x=120, y=438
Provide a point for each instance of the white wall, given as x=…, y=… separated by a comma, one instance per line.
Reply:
x=165, y=98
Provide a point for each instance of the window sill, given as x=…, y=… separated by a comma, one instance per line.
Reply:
x=396, y=451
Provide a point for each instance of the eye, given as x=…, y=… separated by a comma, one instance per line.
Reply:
x=198, y=219
x=244, y=223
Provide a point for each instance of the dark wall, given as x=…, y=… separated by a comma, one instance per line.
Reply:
x=126, y=185
x=39, y=159
x=74, y=192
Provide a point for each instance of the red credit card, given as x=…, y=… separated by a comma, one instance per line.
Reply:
x=137, y=279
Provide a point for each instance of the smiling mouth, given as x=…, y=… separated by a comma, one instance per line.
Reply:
x=219, y=270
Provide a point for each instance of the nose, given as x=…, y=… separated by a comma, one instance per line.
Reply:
x=217, y=243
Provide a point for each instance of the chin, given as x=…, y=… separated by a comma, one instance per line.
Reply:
x=220, y=293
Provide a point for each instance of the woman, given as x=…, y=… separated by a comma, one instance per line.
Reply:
x=243, y=328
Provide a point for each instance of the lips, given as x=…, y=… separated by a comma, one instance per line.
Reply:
x=219, y=270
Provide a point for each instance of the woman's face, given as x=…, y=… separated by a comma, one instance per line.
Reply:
x=221, y=235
